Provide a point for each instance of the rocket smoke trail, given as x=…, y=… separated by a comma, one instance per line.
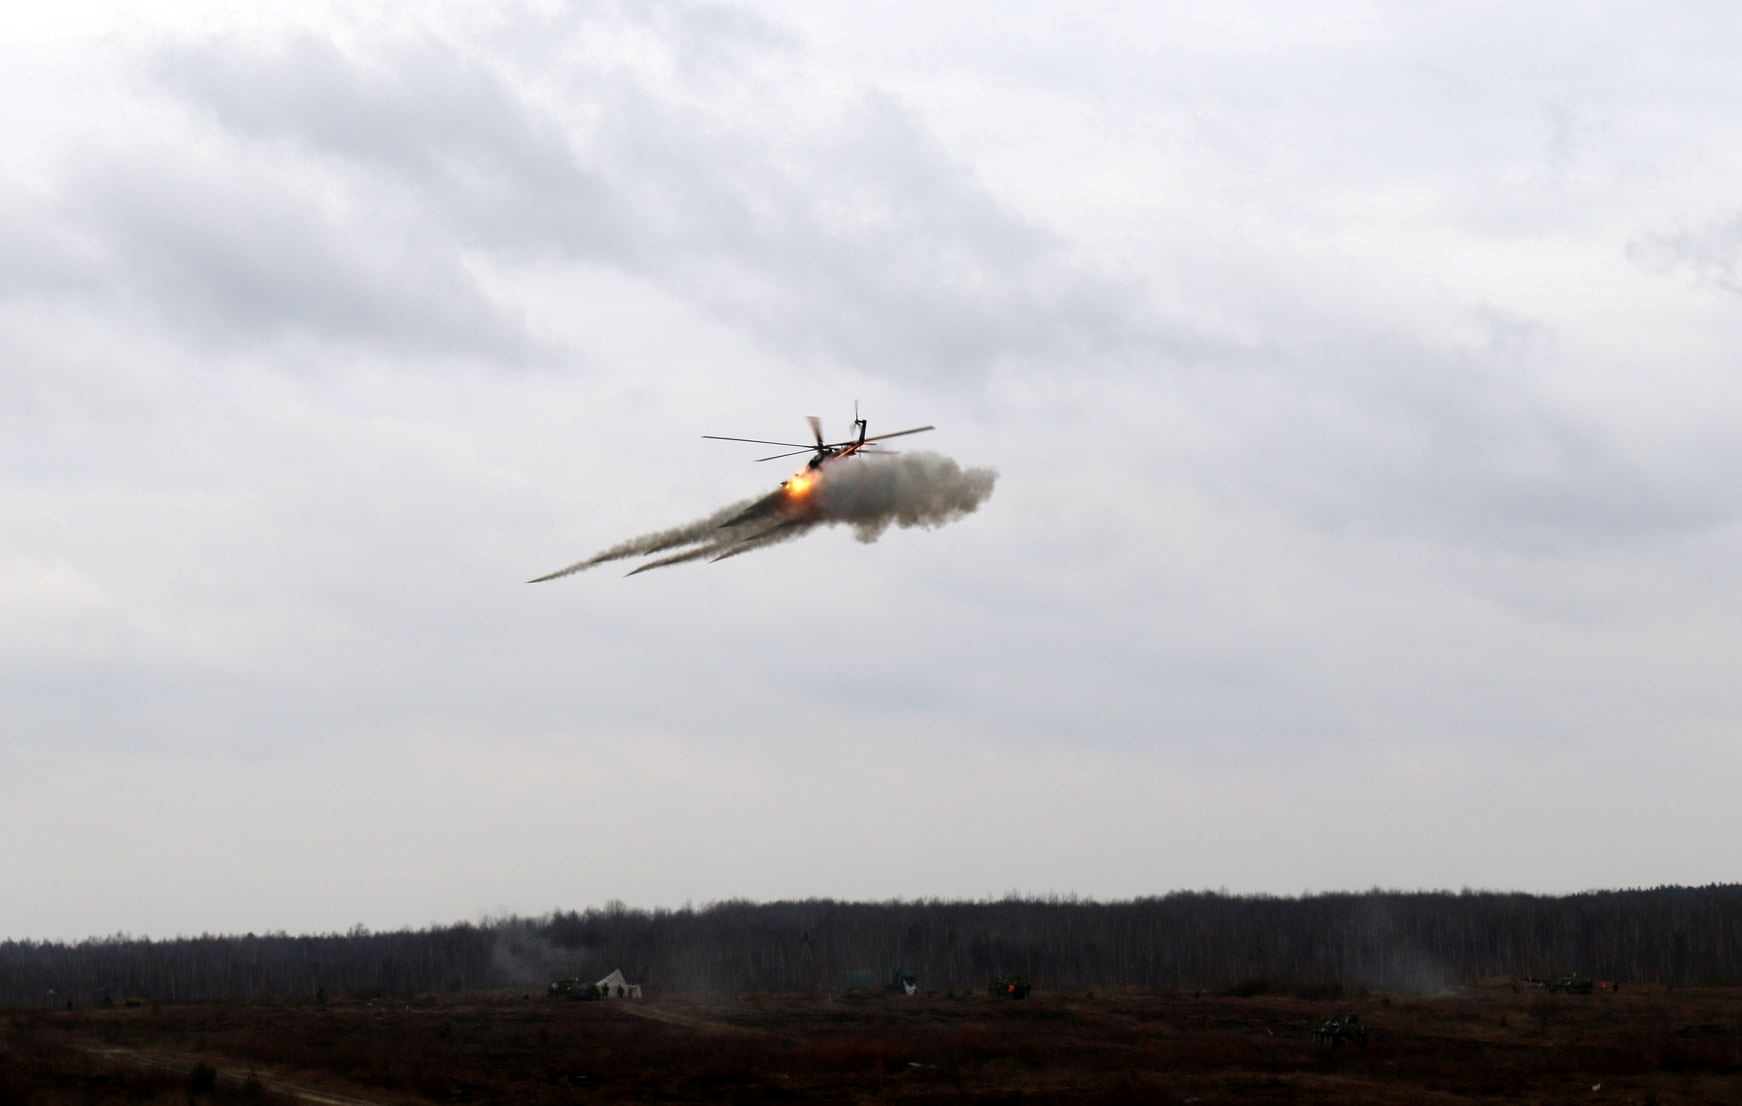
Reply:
x=868, y=493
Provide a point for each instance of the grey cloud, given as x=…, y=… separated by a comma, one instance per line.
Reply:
x=867, y=246
x=1388, y=435
x=450, y=135
x=1711, y=253
x=710, y=40
x=234, y=251
x=428, y=112
x=902, y=260
x=38, y=255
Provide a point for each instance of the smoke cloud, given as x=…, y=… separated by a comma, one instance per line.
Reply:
x=870, y=493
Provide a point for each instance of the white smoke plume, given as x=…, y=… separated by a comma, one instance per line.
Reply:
x=870, y=493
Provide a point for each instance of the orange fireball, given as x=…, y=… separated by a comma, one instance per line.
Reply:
x=798, y=485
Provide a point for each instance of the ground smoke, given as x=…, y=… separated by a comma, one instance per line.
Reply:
x=868, y=493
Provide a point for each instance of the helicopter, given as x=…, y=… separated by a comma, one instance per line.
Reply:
x=791, y=498
x=826, y=452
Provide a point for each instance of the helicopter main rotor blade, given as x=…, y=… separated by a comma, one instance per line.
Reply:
x=877, y=437
x=816, y=429
x=899, y=433
x=758, y=441
x=794, y=453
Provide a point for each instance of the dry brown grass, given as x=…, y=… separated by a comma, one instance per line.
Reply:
x=1644, y=1045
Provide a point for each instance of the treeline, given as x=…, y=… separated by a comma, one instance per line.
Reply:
x=1419, y=941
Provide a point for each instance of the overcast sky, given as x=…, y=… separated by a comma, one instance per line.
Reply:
x=1363, y=387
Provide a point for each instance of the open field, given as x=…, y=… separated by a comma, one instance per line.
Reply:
x=1492, y=1044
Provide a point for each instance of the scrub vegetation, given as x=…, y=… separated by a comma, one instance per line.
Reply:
x=1488, y=1043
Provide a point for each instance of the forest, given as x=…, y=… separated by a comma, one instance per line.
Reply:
x=1407, y=941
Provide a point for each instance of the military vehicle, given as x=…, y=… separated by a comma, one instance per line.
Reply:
x=577, y=990
x=1008, y=986
x=1567, y=983
x=1334, y=1031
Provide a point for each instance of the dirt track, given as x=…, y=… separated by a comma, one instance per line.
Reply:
x=235, y=1073
x=658, y=1013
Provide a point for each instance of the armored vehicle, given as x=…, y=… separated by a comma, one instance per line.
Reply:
x=1567, y=983
x=1335, y=1031
x=578, y=990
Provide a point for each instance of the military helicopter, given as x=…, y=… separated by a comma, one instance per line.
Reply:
x=826, y=452
x=791, y=497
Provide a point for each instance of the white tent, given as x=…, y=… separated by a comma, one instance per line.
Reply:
x=615, y=986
